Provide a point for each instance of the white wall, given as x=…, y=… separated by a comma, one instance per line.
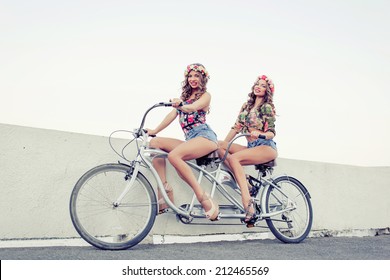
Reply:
x=38, y=169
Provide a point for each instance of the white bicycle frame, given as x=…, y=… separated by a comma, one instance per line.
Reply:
x=216, y=177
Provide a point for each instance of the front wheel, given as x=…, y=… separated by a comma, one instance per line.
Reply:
x=105, y=224
x=290, y=198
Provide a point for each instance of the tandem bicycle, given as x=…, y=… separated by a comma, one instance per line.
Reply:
x=114, y=206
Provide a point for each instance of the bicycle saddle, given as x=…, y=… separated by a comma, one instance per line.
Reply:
x=267, y=166
x=207, y=159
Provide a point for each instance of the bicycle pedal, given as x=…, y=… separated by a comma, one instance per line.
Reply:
x=250, y=225
x=253, y=191
x=163, y=211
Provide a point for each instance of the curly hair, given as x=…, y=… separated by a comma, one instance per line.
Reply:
x=268, y=98
x=187, y=89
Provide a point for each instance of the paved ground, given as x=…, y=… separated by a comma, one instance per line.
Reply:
x=318, y=258
x=325, y=248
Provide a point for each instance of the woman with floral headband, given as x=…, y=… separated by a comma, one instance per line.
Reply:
x=191, y=108
x=256, y=117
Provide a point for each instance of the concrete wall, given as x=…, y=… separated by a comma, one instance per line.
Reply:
x=38, y=169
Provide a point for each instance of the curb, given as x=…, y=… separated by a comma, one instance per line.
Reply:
x=173, y=239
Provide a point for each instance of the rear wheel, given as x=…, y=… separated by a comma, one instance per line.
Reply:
x=291, y=226
x=101, y=222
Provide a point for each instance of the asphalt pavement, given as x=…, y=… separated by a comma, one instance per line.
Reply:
x=319, y=248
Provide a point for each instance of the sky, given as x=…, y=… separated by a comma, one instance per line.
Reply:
x=95, y=66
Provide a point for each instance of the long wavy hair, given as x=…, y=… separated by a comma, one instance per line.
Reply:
x=187, y=89
x=268, y=98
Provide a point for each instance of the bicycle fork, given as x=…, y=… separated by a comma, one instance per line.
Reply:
x=134, y=173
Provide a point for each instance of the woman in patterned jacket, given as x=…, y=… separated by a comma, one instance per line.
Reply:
x=257, y=117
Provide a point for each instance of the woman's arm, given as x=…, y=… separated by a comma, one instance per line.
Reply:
x=267, y=123
x=202, y=103
x=229, y=137
x=239, y=124
x=268, y=135
x=165, y=122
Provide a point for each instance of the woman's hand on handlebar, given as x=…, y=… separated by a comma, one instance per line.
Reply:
x=176, y=102
x=258, y=134
x=151, y=132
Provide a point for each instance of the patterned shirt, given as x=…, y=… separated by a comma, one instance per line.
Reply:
x=190, y=120
x=262, y=119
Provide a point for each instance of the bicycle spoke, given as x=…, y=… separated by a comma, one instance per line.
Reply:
x=290, y=195
x=105, y=224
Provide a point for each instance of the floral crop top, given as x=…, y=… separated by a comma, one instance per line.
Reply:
x=262, y=119
x=190, y=120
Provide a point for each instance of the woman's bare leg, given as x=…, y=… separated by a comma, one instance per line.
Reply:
x=255, y=155
x=186, y=151
x=234, y=148
x=165, y=144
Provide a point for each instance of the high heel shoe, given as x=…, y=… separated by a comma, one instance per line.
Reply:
x=213, y=213
x=162, y=206
x=250, y=214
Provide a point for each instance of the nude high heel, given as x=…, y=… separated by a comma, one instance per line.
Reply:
x=213, y=213
x=162, y=206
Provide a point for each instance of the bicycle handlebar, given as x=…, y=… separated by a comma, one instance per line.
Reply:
x=160, y=104
x=262, y=137
x=234, y=139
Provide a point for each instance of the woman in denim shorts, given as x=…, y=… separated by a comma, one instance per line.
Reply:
x=191, y=108
x=257, y=117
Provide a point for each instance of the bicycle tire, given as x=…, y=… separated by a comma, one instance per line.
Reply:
x=292, y=226
x=99, y=221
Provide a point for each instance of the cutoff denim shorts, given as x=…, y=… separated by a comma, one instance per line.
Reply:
x=203, y=130
x=259, y=142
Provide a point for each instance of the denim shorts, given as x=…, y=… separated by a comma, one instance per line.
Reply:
x=259, y=142
x=202, y=130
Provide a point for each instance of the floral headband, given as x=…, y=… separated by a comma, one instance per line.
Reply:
x=268, y=80
x=198, y=68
